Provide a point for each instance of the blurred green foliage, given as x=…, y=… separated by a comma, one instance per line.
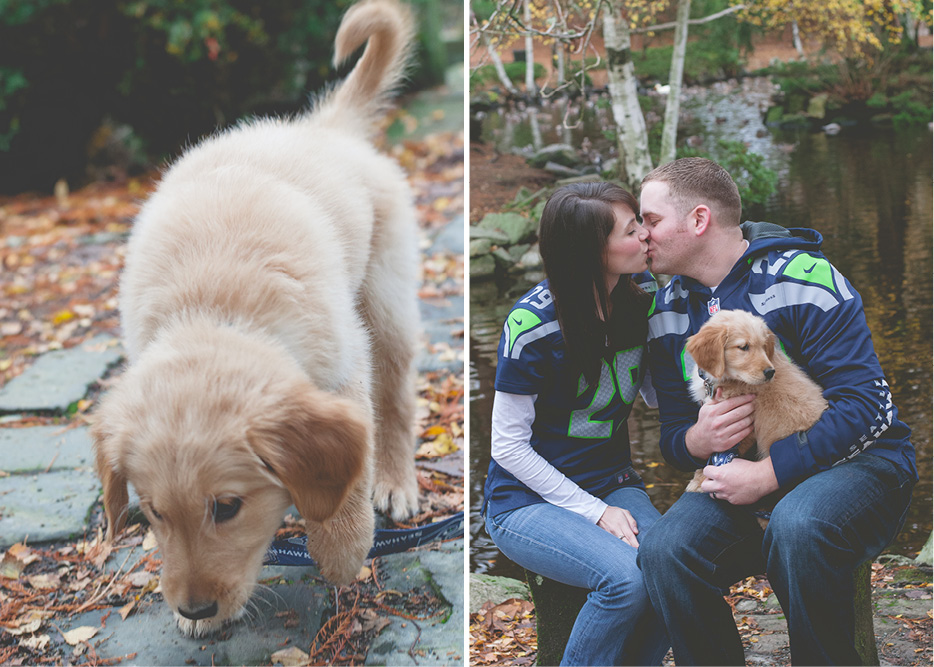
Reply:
x=486, y=74
x=715, y=50
x=895, y=87
x=756, y=182
x=172, y=70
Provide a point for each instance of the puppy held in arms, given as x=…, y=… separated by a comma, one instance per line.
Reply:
x=269, y=312
x=737, y=353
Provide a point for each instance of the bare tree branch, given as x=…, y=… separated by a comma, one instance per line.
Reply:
x=705, y=19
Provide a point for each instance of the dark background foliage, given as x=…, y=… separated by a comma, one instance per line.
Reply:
x=124, y=83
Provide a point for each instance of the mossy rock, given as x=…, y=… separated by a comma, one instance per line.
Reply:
x=817, y=106
x=792, y=121
x=516, y=227
x=480, y=247
x=774, y=115
x=562, y=154
x=482, y=267
x=910, y=575
x=517, y=251
x=487, y=588
x=495, y=236
x=502, y=258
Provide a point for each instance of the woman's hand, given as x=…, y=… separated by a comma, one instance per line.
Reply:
x=619, y=522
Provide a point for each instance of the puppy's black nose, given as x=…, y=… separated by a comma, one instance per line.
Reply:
x=199, y=613
x=768, y=372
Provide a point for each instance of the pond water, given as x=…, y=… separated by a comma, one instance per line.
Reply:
x=869, y=194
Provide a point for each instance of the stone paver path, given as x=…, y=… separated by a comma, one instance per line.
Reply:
x=48, y=490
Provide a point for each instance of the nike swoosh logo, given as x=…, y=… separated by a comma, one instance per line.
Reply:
x=811, y=269
x=518, y=322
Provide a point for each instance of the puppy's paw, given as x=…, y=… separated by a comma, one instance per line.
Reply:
x=396, y=498
x=695, y=483
x=341, y=572
x=340, y=547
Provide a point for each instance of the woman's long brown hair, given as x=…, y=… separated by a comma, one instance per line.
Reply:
x=575, y=224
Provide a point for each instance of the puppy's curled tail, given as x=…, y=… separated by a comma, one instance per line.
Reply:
x=388, y=28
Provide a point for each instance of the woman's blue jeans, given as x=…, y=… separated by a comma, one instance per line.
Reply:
x=616, y=625
x=817, y=536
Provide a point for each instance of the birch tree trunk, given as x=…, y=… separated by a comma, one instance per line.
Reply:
x=632, y=137
x=796, y=37
x=560, y=63
x=498, y=66
x=529, y=50
x=675, y=77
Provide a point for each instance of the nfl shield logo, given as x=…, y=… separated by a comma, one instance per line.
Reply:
x=713, y=306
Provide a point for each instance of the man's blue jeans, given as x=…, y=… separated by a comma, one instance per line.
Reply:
x=818, y=534
x=616, y=625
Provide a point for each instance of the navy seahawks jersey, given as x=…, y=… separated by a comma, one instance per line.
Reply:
x=818, y=317
x=579, y=428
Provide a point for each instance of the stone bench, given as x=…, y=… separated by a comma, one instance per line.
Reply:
x=557, y=606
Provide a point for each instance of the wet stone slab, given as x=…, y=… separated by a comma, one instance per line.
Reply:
x=435, y=641
x=59, y=378
x=287, y=612
x=46, y=507
x=41, y=448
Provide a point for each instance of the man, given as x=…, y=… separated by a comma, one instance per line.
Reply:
x=848, y=479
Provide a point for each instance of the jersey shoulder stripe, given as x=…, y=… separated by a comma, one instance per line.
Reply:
x=531, y=319
x=798, y=279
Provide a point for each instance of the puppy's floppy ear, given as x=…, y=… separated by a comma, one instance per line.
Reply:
x=707, y=346
x=771, y=346
x=109, y=440
x=316, y=444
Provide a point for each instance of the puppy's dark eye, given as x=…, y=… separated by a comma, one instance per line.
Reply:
x=226, y=509
x=155, y=513
x=744, y=348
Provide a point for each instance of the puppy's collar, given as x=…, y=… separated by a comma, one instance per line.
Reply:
x=710, y=384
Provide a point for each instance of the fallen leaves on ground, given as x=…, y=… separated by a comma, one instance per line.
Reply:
x=31, y=610
x=504, y=634
x=364, y=610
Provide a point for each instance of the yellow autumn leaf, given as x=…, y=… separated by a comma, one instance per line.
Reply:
x=44, y=581
x=62, y=316
x=441, y=446
x=290, y=657
x=26, y=628
x=78, y=635
x=149, y=542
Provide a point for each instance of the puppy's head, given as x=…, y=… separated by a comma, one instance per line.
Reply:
x=734, y=345
x=217, y=446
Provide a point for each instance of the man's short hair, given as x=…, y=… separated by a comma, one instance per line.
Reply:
x=693, y=181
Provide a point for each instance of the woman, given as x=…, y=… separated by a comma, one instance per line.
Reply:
x=561, y=496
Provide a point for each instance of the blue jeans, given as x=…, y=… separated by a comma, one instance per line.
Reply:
x=818, y=534
x=616, y=625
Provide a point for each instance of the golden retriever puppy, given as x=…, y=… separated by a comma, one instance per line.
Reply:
x=269, y=311
x=735, y=351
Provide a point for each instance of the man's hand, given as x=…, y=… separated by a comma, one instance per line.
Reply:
x=721, y=424
x=740, y=482
x=619, y=522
